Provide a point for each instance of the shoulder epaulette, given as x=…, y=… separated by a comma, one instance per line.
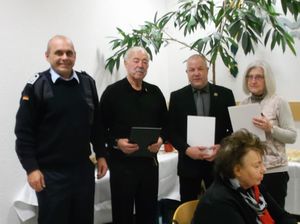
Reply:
x=33, y=79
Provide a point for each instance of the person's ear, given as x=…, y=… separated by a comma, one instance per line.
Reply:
x=47, y=55
x=237, y=170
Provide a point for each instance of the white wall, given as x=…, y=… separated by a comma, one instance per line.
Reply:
x=26, y=27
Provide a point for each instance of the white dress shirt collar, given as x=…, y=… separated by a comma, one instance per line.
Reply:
x=55, y=76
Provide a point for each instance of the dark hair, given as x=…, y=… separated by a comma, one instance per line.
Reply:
x=233, y=149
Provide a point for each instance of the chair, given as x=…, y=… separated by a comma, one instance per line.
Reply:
x=185, y=212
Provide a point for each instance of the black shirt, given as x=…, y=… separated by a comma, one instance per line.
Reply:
x=122, y=107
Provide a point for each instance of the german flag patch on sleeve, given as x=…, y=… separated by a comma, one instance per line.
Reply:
x=25, y=97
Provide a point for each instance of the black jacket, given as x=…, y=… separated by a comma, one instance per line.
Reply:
x=122, y=107
x=222, y=204
x=181, y=105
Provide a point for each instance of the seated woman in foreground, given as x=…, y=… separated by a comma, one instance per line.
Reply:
x=236, y=196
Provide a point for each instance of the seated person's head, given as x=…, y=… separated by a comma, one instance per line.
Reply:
x=240, y=158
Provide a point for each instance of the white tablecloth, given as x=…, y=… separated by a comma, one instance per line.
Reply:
x=292, y=203
x=25, y=203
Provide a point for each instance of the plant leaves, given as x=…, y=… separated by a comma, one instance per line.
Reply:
x=235, y=22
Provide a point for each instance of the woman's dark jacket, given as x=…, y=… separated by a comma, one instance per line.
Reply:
x=222, y=204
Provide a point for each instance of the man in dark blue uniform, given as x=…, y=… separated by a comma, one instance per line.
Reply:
x=55, y=124
x=133, y=177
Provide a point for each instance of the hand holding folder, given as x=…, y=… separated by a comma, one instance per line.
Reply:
x=144, y=136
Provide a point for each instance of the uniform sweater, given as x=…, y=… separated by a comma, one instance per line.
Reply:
x=54, y=131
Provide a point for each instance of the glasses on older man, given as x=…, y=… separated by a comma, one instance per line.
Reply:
x=255, y=77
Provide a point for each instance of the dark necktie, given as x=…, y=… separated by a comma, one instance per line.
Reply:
x=200, y=103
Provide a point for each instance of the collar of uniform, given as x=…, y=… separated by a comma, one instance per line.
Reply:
x=55, y=76
x=144, y=88
x=205, y=89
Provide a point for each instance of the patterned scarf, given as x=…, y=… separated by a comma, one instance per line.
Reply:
x=257, y=99
x=255, y=201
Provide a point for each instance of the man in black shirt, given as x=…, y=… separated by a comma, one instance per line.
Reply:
x=55, y=124
x=124, y=104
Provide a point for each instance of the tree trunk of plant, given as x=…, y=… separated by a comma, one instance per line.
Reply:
x=214, y=73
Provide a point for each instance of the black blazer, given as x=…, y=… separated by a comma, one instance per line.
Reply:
x=181, y=105
x=222, y=204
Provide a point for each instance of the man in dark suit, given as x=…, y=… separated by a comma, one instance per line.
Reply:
x=203, y=99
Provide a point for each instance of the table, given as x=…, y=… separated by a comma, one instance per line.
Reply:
x=292, y=203
x=26, y=204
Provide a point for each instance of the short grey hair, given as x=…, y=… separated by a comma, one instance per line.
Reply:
x=135, y=49
x=270, y=84
x=194, y=56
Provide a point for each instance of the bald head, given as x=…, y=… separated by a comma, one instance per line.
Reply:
x=61, y=55
x=56, y=38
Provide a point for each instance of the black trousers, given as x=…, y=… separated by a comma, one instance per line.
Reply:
x=69, y=195
x=190, y=188
x=276, y=185
x=134, y=184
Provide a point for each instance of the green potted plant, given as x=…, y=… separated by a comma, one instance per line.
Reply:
x=236, y=23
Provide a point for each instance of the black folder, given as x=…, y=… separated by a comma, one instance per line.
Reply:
x=144, y=136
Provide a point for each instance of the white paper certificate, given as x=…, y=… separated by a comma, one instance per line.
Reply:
x=201, y=130
x=241, y=117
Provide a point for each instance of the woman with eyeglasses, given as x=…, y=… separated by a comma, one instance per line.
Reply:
x=276, y=121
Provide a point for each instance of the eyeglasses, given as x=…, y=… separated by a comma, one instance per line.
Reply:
x=255, y=77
